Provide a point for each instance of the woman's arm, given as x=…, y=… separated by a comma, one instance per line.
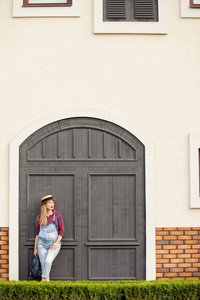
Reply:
x=35, y=246
x=37, y=223
x=59, y=239
x=60, y=232
x=61, y=227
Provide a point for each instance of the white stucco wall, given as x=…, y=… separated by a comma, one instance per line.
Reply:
x=152, y=81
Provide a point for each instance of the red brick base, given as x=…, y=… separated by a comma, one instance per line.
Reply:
x=178, y=253
x=4, y=253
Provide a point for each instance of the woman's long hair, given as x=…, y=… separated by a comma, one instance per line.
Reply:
x=43, y=219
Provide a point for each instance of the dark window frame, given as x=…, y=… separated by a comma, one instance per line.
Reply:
x=192, y=5
x=26, y=3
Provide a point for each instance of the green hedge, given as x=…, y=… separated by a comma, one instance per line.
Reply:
x=148, y=290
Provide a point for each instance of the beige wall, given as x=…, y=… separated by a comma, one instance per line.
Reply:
x=152, y=81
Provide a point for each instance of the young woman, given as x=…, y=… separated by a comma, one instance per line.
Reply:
x=49, y=233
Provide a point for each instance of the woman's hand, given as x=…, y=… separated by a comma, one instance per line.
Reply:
x=35, y=246
x=35, y=252
x=55, y=245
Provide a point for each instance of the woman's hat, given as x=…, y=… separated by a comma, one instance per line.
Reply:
x=47, y=198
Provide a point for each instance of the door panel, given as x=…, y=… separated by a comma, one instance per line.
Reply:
x=84, y=144
x=64, y=265
x=112, y=196
x=116, y=237
x=112, y=264
x=63, y=186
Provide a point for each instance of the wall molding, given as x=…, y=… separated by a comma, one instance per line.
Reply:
x=64, y=11
x=14, y=181
x=187, y=11
x=159, y=27
x=194, y=146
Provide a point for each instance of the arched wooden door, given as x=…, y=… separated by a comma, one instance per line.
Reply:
x=95, y=170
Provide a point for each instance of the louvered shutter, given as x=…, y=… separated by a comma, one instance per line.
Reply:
x=130, y=10
x=116, y=9
x=144, y=9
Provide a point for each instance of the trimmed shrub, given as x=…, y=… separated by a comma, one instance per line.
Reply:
x=85, y=290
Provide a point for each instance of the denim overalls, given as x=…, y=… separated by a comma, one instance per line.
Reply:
x=47, y=237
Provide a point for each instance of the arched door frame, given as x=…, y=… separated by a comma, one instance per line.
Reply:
x=14, y=182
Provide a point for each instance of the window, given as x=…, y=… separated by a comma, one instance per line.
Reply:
x=188, y=8
x=131, y=10
x=199, y=171
x=47, y=2
x=130, y=16
x=46, y=8
x=194, y=144
x=195, y=3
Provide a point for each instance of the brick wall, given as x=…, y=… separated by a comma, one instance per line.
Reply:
x=178, y=253
x=4, y=253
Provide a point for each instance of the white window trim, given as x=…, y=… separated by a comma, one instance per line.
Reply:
x=187, y=11
x=130, y=27
x=64, y=11
x=194, y=145
x=14, y=183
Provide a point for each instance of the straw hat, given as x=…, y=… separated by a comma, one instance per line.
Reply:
x=47, y=198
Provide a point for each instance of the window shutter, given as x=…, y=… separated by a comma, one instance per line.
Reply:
x=130, y=10
x=144, y=9
x=116, y=9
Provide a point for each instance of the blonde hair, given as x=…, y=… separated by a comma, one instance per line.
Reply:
x=43, y=215
x=43, y=219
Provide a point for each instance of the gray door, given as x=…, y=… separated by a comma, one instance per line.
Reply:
x=95, y=170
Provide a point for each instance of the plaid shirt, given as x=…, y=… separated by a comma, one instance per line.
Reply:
x=58, y=222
